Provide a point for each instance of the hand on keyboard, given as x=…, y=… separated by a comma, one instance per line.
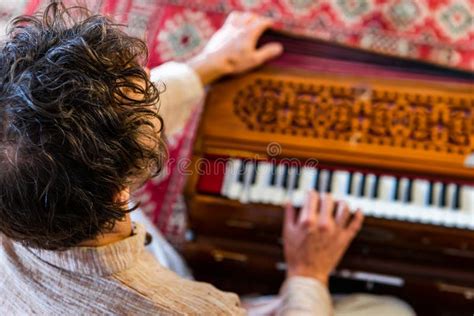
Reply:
x=233, y=48
x=316, y=239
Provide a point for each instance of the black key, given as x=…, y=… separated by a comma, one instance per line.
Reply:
x=409, y=194
x=243, y=167
x=443, y=200
x=457, y=197
x=349, y=188
x=286, y=174
x=362, y=186
x=274, y=175
x=329, y=184
x=297, y=178
x=375, y=191
x=254, y=176
x=316, y=180
x=429, y=200
x=396, y=194
x=323, y=180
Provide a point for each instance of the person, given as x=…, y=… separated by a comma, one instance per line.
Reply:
x=82, y=125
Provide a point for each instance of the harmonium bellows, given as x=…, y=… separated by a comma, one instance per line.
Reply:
x=393, y=137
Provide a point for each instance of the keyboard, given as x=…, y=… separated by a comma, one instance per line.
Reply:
x=381, y=195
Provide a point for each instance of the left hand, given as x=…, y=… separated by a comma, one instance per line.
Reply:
x=232, y=49
x=315, y=240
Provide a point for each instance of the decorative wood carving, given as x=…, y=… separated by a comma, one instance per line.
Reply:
x=358, y=114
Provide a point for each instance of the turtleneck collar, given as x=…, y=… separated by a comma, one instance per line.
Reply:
x=103, y=260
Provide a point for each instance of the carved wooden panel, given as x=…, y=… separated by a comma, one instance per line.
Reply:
x=361, y=114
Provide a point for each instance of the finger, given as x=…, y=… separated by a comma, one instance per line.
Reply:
x=267, y=52
x=356, y=223
x=308, y=212
x=251, y=18
x=342, y=214
x=232, y=18
x=289, y=216
x=260, y=25
x=247, y=18
x=327, y=210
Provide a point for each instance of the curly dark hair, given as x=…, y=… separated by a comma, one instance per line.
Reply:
x=78, y=124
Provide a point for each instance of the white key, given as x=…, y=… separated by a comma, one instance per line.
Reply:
x=365, y=205
x=387, y=188
x=461, y=219
x=369, y=207
x=420, y=192
x=425, y=215
x=411, y=213
x=267, y=190
x=245, y=192
x=291, y=182
x=370, y=180
x=380, y=209
x=264, y=173
x=448, y=219
x=406, y=213
x=375, y=209
x=436, y=216
x=467, y=199
x=340, y=183
x=306, y=184
x=401, y=211
x=277, y=192
x=233, y=186
x=227, y=177
x=356, y=183
x=470, y=216
x=354, y=203
x=403, y=189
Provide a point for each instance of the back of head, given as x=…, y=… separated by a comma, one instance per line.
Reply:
x=78, y=124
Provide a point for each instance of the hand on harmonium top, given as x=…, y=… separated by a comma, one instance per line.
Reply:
x=316, y=239
x=232, y=49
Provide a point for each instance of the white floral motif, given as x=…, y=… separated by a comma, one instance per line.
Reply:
x=251, y=4
x=404, y=14
x=352, y=10
x=300, y=7
x=184, y=35
x=456, y=19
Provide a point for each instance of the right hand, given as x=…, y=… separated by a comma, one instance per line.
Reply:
x=233, y=48
x=316, y=240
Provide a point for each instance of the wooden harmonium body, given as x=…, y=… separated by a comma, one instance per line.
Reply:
x=392, y=137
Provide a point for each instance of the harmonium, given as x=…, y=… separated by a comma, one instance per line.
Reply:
x=391, y=136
